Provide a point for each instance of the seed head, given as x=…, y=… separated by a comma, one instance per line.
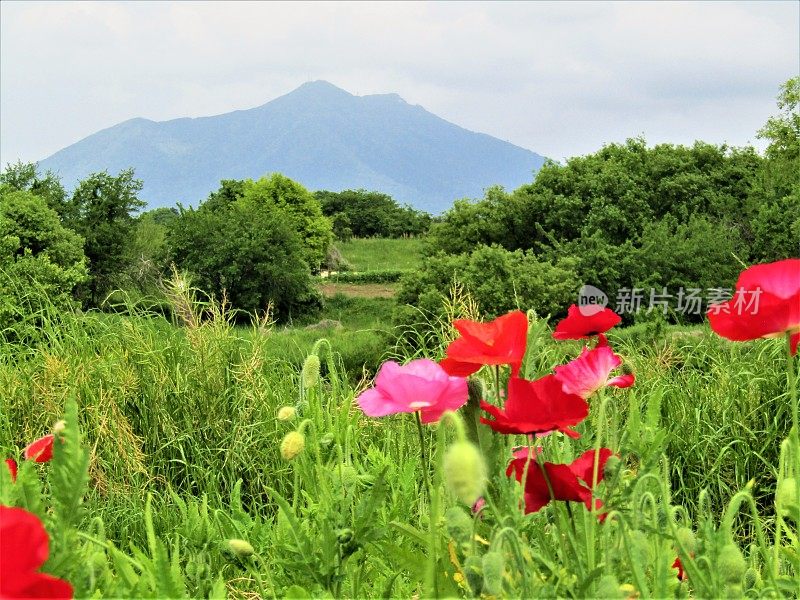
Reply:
x=59, y=426
x=292, y=445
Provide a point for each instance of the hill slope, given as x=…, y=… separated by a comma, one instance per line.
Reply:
x=319, y=135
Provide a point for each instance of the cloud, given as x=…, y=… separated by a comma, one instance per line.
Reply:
x=558, y=78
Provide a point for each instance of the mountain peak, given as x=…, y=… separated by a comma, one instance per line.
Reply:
x=318, y=134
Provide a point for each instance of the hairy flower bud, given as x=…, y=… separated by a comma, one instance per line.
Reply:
x=731, y=564
x=786, y=497
x=473, y=572
x=286, y=413
x=292, y=445
x=608, y=587
x=310, y=373
x=240, y=548
x=465, y=471
x=459, y=525
x=687, y=539
x=611, y=468
x=493, y=567
x=752, y=579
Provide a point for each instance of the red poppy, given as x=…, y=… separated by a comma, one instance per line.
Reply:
x=12, y=467
x=766, y=304
x=499, y=342
x=591, y=371
x=23, y=550
x=41, y=450
x=536, y=407
x=570, y=483
x=586, y=321
x=679, y=565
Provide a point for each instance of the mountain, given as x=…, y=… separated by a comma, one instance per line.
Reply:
x=319, y=135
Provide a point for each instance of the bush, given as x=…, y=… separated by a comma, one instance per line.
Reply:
x=41, y=261
x=384, y=276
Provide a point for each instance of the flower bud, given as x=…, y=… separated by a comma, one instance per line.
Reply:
x=608, y=587
x=611, y=468
x=752, y=579
x=240, y=548
x=731, y=564
x=459, y=525
x=465, y=472
x=473, y=573
x=786, y=497
x=292, y=445
x=344, y=476
x=310, y=373
x=59, y=426
x=642, y=548
x=344, y=536
x=286, y=413
x=687, y=539
x=493, y=567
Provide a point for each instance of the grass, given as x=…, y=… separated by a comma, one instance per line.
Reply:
x=378, y=254
x=185, y=453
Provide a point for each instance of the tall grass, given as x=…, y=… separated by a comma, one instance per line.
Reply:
x=183, y=415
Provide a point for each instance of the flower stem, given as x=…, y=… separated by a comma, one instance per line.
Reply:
x=426, y=476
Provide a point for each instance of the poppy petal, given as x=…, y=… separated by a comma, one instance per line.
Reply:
x=41, y=450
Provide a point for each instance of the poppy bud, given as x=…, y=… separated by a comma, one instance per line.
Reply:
x=642, y=548
x=731, y=564
x=459, y=525
x=310, y=373
x=608, y=587
x=59, y=426
x=611, y=468
x=493, y=567
x=240, y=548
x=292, y=445
x=473, y=573
x=465, y=471
x=687, y=539
x=286, y=413
x=344, y=536
x=733, y=591
x=786, y=496
x=344, y=476
x=752, y=579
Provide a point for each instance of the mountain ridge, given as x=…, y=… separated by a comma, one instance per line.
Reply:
x=318, y=134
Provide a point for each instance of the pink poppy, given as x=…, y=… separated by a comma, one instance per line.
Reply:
x=766, y=304
x=591, y=371
x=421, y=385
x=41, y=450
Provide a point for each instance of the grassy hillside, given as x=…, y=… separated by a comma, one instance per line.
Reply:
x=379, y=254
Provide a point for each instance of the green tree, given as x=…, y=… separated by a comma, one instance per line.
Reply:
x=25, y=177
x=102, y=211
x=249, y=252
x=41, y=261
x=373, y=214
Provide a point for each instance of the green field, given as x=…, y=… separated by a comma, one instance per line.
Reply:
x=377, y=254
x=184, y=453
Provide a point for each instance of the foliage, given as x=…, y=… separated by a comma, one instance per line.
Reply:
x=359, y=213
x=385, y=276
x=41, y=262
x=101, y=211
x=497, y=279
x=25, y=177
x=248, y=253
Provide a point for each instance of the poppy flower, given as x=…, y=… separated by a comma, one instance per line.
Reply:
x=421, y=385
x=570, y=483
x=499, y=342
x=679, y=565
x=766, y=304
x=537, y=407
x=41, y=450
x=586, y=321
x=12, y=467
x=24, y=547
x=591, y=371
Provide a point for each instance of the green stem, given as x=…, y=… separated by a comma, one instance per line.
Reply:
x=426, y=476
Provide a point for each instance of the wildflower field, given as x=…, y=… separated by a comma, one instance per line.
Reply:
x=514, y=458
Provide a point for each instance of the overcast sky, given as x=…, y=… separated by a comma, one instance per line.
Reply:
x=561, y=79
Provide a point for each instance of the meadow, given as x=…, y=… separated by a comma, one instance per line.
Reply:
x=201, y=458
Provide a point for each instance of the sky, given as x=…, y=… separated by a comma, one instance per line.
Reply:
x=561, y=79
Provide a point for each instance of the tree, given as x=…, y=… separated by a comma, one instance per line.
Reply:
x=102, y=211
x=373, y=214
x=41, y=261
x=250, y=253
x=25, y=177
